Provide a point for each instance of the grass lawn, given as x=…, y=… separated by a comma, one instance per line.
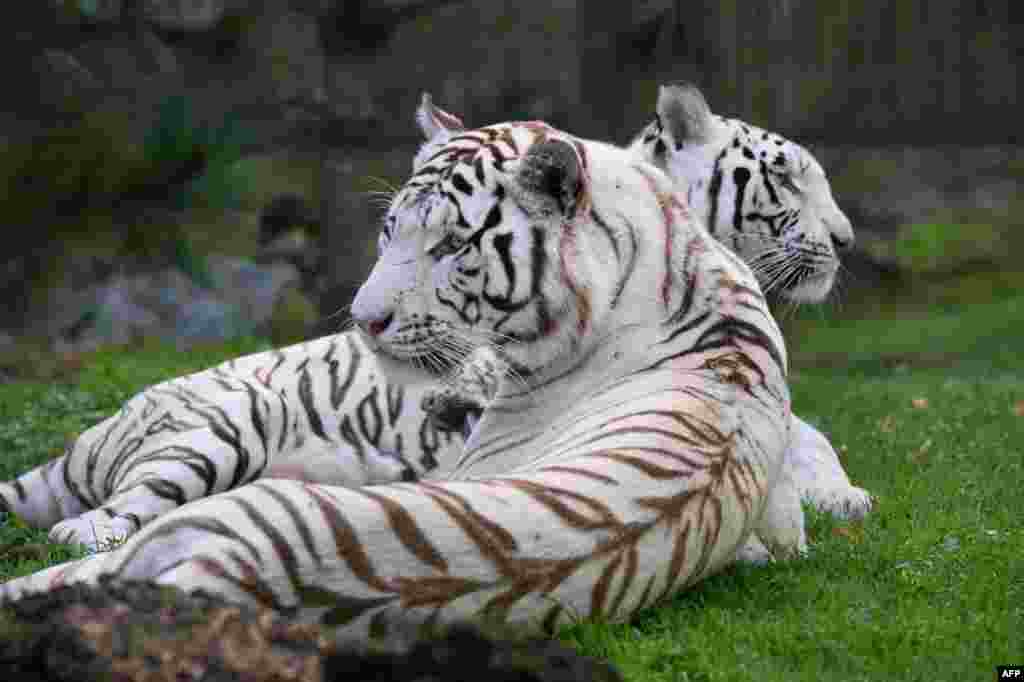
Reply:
x=927, y=411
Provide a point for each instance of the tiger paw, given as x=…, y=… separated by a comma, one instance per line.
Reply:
x=753, y=552
x=449, y=410
x=97, y=530
x=849, y=503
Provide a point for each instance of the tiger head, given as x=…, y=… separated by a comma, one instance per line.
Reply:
x=514, y=236
x=762, y=195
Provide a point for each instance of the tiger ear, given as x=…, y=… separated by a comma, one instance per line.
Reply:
x=434, y=121
x=550, y=178
x=684, y=113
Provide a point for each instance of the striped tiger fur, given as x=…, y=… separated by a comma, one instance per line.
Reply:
x=764, y=196
x=639, y=444
x=768, y=199
x=320, y=411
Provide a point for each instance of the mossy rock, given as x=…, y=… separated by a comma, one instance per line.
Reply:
x=141, y=631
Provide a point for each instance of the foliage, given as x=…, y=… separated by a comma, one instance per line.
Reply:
x=177, y=138
x=70, y=179
x=928, y=246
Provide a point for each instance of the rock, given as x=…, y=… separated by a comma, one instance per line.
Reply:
x=133, y=631
x=209, y=319
x=253, y=288
x=168, y=304
x=118, y=319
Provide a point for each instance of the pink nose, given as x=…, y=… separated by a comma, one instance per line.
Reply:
x=376, y=327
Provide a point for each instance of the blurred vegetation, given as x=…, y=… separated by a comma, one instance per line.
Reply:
x=69, y=179
x=917, y=72
x=179, y=163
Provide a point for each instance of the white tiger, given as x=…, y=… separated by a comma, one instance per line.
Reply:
x=320, y=411
x=640, y=443
x=768, y=199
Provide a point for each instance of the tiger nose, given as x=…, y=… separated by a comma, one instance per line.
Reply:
x=840, y=231
x=841, y=243
x=374, y=327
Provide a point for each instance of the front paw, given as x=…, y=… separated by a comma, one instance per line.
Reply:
x=450, y=411
x=849, y=504
x=96, y=530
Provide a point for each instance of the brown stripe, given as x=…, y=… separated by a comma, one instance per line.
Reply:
x=548, y=497
x=599, y=593
x=345, y=540
x=408, y=532
x=585, y=473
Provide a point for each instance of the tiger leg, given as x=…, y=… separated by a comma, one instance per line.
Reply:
x=169, y=444
x=781, y=526
x=539, y=549
x=819, y=476
x=42, y=496
x=163, y=477
x=753, y=552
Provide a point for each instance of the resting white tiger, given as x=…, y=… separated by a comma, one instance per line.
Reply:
x=320, y=411
x=640, y=444
x=768, y=199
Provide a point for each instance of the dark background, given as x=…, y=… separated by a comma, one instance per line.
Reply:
x=145, y=140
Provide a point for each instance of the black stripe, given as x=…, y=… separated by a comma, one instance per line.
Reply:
x=297, y=518
x=349, y=435
x=205, y=524
x=493, y=218
x=255, y=416
x=166, y=490
x=740, y=176
x=714, y=189
x=355, y=358
x=306, y=398
x=371, y=424
x=225, y=429
x=460, y=183
x=502, y=244
x=625, y=274
x=772, y=194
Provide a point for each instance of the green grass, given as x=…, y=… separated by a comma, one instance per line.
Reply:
x=37, y=419
x=929, y=587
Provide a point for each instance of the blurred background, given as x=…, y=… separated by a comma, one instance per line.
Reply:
x=195, y=170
